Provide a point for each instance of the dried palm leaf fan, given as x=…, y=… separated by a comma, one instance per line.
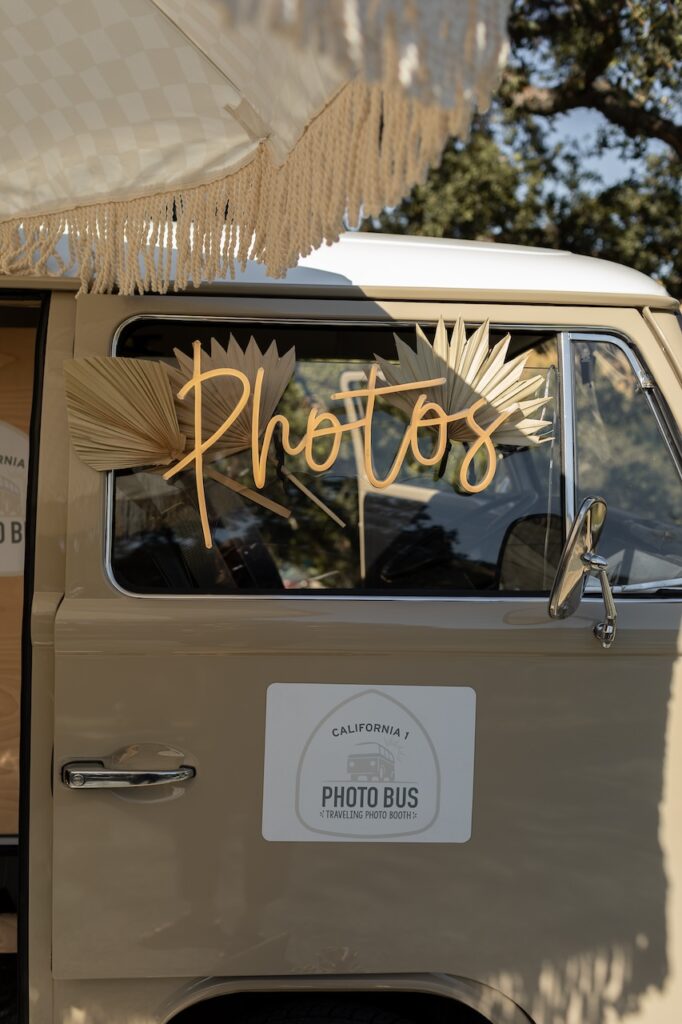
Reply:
x=122, y=413
x=477, y=385
x=472, y=371
x=220, y=395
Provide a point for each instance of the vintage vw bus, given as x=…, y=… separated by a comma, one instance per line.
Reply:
x=441, y=517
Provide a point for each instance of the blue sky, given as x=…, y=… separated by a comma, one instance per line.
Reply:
x=581, y=125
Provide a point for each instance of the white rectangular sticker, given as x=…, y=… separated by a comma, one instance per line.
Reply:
x=390, y=764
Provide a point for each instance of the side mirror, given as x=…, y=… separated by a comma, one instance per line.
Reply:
x=580, y=560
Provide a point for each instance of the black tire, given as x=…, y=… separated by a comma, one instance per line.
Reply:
x=325, y=1011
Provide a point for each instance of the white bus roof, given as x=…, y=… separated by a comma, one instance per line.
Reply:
x=410, y=266
x=373, y=261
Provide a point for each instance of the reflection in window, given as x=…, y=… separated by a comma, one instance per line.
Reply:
x=622, y=456
x=422, y=534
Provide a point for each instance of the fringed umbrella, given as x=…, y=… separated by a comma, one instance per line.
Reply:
x=179, y=137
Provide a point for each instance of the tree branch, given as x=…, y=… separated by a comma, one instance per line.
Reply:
x=621, y=109
x=615, y=104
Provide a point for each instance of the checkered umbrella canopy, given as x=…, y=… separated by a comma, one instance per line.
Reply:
x=159, y=140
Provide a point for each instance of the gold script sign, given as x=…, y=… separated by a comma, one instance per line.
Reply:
x=425, y=415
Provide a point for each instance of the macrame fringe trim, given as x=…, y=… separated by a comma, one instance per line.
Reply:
x=363, y=152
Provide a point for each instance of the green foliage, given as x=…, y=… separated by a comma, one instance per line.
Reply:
x=511, y=183
x=636, y=222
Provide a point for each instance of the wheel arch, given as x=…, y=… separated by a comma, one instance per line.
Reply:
x=199, y=1001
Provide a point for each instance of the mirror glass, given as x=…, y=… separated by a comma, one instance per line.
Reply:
x=572, y=573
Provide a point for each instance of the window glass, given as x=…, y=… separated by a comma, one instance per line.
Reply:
x=422, y=534
x=623, y=456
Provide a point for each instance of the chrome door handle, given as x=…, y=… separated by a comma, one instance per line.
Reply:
x=93, y=775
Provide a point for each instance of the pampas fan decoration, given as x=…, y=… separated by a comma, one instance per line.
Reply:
x=121, y=413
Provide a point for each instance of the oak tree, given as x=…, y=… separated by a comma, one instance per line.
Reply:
x=515, y=181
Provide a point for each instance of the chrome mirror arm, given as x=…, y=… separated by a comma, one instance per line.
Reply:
x=605, y=631
x=578, y=561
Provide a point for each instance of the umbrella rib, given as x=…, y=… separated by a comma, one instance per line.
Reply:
x=202, y=53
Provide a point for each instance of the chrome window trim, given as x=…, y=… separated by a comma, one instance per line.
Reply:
x=644, y=378
x=647, y=383
x=567, y=426
x=289, y=595
x=666, y=425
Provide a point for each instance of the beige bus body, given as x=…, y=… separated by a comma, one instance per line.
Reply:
x=565, y=904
